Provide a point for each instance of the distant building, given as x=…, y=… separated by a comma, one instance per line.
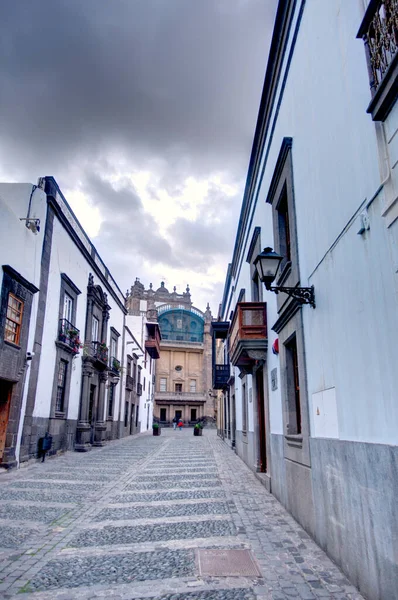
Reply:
x=310, y=399
x=183, y=385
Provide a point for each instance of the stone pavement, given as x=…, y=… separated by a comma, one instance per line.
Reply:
x=174, y=517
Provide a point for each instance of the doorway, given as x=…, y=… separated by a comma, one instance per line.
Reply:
x=178, y=414
x=193, y=414
x=5, y=403
x=261, y=420
x=163, y=414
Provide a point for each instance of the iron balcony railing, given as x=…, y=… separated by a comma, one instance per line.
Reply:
x=99, y=351
x=115, y=365
x=200, y=396
x=129, y=382
x=69, y=334
x=379, y=31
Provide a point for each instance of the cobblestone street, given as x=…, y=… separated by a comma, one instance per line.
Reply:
x=153, y=517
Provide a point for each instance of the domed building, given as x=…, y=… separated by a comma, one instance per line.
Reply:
x=182, y=385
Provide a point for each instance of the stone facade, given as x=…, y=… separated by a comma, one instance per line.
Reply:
x=183, y=373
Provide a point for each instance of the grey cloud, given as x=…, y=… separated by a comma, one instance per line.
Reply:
x=152, y=78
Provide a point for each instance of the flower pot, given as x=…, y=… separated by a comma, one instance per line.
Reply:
x=197, y=431
x=156, y=431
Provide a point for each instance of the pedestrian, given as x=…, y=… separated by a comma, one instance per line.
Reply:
x=175, y=421
x=180, y=424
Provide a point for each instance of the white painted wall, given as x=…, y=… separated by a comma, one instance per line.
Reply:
x=67, y=258
x=21, y=249
x=351, y=336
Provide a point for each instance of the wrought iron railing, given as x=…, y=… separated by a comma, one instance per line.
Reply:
x=99, y=351
x=379, y=30
x=115, y=365
x=70, y=335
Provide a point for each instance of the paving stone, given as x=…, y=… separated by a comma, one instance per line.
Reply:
x=152, y=533
x=80, y=571
x=89, y=547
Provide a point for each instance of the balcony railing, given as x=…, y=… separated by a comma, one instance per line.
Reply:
x=98, y=351
x=129, y=383
x=139, y=389
x=221, y=374
x=248, y=338
x=115, y=365
x=69, y=334
x=379, y=31
x=180, y=396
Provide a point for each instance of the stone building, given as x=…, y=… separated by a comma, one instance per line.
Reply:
x=183, y=385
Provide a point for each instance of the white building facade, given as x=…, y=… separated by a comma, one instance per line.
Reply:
x=310, y=397
x=69, y=313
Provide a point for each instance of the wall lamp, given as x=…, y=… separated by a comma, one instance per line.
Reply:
x=267, y=264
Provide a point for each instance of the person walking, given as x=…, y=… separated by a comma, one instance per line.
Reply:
x=180, y=424
x=175, y=421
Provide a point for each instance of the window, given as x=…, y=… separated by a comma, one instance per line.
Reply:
x=179, y=323
x=293, y=387
x=14, y=319
x=192, y=385
x=284, y=227
x=162, y=414
x=139, y=374
x=111, y=398
x=126, y=413
x=194, y=339
x=134, y=372
x=61, y=384
x=128, y=370
x=163, y=384
x=113, y=348
x=178, y=388
x=95, y=330
x=193, y=414
x=178, y=368
x=137, y=412
x=179, y=337
x=67, y=312
x=144, y=384
x=244, y=409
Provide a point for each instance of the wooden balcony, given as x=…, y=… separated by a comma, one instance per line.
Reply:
x=152, y=344
x=248, y=335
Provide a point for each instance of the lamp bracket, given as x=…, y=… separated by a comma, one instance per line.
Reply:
x=304, y=295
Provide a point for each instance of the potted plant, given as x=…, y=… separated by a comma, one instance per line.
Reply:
x=198, y=430
x=156, y=429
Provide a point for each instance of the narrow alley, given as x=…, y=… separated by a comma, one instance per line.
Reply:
x=174, y=517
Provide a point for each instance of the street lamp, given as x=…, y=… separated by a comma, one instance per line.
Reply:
x=267, y=265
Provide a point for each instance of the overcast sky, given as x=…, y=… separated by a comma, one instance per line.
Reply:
x=144, y=112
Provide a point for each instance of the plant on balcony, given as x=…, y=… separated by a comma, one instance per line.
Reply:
x=156, y=429
x=77, y=344
x=115, y=364
x=198, y=429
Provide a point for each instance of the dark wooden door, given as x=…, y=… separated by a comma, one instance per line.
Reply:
x=5, y=402
x=261, y=419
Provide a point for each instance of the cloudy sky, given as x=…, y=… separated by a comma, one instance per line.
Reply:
x=144, y=112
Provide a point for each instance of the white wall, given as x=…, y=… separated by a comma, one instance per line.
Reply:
x=67, y=258
x=21, y=249
x=350, y=338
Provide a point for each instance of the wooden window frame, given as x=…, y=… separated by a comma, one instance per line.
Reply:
x=18, y=324
x=60, y=399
